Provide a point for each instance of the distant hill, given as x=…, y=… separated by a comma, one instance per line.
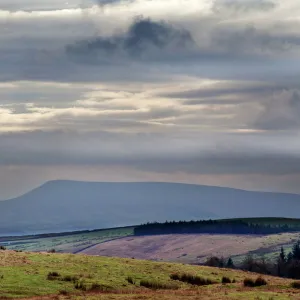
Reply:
x=68, y=205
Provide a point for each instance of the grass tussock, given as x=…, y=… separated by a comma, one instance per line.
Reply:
x=192, y=279
x=96, y=287
x=156, y=285
x=131, y=280
x=91, y=287
x=81, y=285
x=66, y=278
x=53, y=276
x=226, y=280
x=69, y=278
x=248, y=282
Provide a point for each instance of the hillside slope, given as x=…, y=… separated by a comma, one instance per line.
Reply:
x=67, y=205
x=193, y=248
x=108, y=279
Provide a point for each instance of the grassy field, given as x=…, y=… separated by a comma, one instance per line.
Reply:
x=70, y=243
x=26, y=275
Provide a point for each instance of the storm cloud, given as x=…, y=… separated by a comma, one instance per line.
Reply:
x=144, y=39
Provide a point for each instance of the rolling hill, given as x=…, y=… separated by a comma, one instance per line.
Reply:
x=68, y=205
x=66, y=276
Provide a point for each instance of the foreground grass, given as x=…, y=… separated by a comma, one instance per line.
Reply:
x=24, y=275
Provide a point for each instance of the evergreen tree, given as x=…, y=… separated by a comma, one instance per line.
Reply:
x=282, y=256
x=290, y=257
x=281, y=263
x=296, y=251
x=230, y=264
x=248, y=263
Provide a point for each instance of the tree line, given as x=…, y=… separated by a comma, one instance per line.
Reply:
x=287, y=265
x=212, y=226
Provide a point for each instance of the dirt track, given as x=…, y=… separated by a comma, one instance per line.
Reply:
x=189, y=247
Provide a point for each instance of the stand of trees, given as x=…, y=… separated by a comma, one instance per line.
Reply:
x=286, y=265
x=211, y=226
x=289, y=265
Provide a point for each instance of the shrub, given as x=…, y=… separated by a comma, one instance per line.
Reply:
x=192, y=279
x=155, y=285
x=2, y=248
x=249, y=282
x=175, y=276
x=53, y=275
x=226, y=280
x=296, y=285
x=215, y=261
x=260, y=281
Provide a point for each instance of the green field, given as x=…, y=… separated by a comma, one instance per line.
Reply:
x=25, y=275
x=70, y=243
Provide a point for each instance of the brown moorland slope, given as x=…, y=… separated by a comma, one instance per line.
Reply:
x=191, y=248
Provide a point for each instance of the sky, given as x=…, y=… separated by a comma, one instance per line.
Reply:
x=195, y=91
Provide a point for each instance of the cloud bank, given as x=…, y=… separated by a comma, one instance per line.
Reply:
x=193, y=91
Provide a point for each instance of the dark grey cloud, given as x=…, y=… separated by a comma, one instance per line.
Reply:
x=144, y=39
x=228, y=51
x=147, y=39
x=152, y=49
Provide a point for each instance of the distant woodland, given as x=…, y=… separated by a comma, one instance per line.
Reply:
x=214, y=226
